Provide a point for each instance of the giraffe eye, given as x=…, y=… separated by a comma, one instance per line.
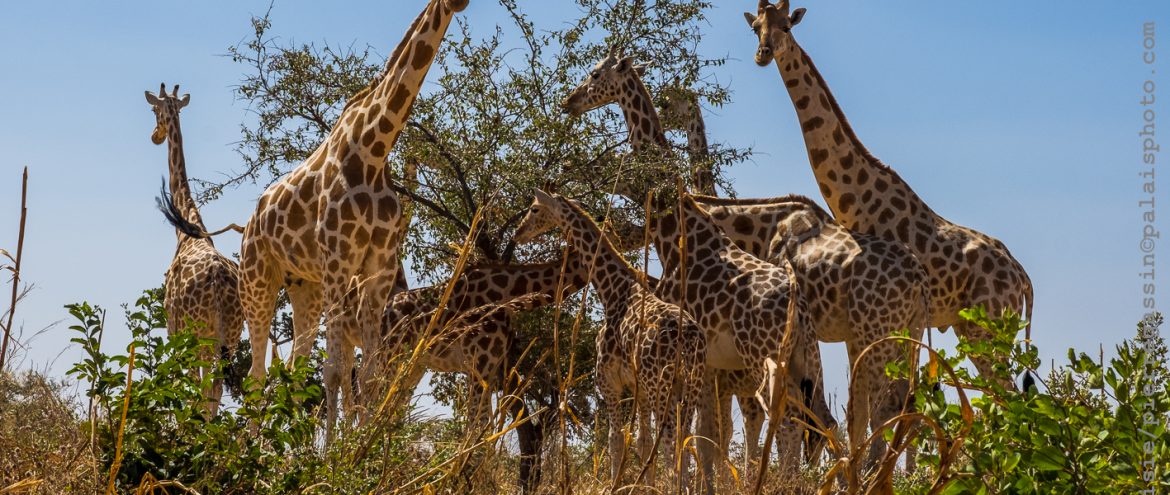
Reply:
x=595, y=75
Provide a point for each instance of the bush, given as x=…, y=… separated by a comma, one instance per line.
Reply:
x=157, y=421
x=1082, y=431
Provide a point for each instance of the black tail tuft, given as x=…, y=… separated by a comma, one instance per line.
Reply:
x=814, y=441
x=166, y=204
x=233, y=374
x=1029, y=382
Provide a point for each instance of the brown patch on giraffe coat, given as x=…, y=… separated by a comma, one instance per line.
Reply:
x=423, y=53
x=812, y=124
x=818, y=156
x=398, y=99
x=846, y=202
x=354, y=170
x=846, y=162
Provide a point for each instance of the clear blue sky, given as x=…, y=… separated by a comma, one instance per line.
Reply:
x=1019, y=119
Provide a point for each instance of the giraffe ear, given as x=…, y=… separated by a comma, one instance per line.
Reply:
x=797, y=16
x=543, y=198
x=185, y=100
x=751, y=19
x=641, y=69
x=625, y=64
x=152, y=99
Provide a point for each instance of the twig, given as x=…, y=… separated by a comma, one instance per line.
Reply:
x=16, y=268
x=121, y=426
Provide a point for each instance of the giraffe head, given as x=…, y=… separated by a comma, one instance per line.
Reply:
x=456, y=5
x=606, y=84
x=166, y=110
x=773, y=24
x=542, y=217
x=675, y=106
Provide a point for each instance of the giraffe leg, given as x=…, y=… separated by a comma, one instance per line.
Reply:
x=812, y=392
x=375, y=295
x=258, y=286
x=611, y=396
x=753, y=422
x=708, y=428
x=857, y=410
x=722, y=409
x=646, y=436
x=479, y=407
x=306, y=300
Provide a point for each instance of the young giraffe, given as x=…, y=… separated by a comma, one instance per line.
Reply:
x=479, y=350
x=647, y=345
x=616, y=79
x=966, y=268
x=861, y=288
x=200, y=283
x=327, y=231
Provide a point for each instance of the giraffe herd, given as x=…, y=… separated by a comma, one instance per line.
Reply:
x=748, y=288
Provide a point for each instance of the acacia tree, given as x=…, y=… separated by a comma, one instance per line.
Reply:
x=488, y=129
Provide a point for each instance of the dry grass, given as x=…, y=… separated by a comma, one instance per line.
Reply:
x=44, y=447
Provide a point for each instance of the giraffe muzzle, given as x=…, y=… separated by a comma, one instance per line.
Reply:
x=456, y=5
x=763, y=56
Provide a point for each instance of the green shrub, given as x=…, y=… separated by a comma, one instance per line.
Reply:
x=1080, y=431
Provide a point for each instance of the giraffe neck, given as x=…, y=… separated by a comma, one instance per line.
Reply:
x=495, y=283
x=701, y=235
x=863, y=194
x=375, y=116
x=612, y=276
x=646, y=131
x=180, y=189
x=697, y=147
x=696, y=130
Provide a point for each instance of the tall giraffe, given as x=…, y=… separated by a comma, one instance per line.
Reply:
x=616, y=79
x=328, y=231
x=200, y=283
x=966, y=267
x=861, y=288
x=647, y=345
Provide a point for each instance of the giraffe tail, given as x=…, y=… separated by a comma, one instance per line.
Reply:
x=175, y=217
x=1028, y=381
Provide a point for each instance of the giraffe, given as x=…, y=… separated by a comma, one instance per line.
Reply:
x=616, y=79
x=327, y=231
x=200, y=283
x=646, y=346
x=965, y=267
x=860, y=289
x=679, y=109
x=479, y=350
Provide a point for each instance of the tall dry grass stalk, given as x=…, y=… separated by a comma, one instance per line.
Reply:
x=122, y=424
x=15, y=268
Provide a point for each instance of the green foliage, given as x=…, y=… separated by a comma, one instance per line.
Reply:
x=1091, y=427
x=166, y=432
